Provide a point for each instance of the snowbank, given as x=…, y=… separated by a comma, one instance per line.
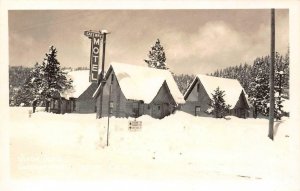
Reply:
x=180, y=147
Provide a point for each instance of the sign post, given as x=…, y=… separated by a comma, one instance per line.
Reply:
x=94, y=57
x=96, y=37
x=134, y=125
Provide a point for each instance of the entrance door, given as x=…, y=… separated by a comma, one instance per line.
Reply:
x=157, y=111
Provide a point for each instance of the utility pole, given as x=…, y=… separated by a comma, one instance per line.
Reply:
x=272, y=98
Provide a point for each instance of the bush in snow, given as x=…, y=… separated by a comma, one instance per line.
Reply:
x=218, y=106
x=157, y=57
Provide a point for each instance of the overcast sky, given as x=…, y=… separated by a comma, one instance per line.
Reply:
x=195, y=41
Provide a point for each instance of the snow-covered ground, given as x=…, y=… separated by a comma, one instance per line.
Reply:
x=192, y=153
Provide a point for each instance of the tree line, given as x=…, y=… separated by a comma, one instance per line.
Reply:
x=255, y=81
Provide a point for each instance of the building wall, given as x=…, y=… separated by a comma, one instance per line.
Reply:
x=197, y=99
x=241, y=108
x=120, y=105
x=201, y=99
x=85, y=106
x=125, y=108
x=85, y=103
x=163, y=104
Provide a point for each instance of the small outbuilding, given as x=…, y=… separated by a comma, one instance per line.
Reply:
x=199, y=95
x=132, y=91
x=79, y=99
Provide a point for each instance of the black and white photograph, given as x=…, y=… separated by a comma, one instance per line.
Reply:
x=150, y=98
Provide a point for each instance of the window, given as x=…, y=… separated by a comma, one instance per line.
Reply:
x=74, y=105
x=197, y=111
x=111, y=106
x=198, y=87
x=135, y=109
x=158, y=107
x=135, y=105
x=112, y=78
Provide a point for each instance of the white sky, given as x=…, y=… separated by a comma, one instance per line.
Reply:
x=195, y=41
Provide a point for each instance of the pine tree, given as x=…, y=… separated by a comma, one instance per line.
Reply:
x=218, y=106
x=44, y=81
x=157, y=57
x=183, y=81
x=259, y=86
x=255, y=81
x=260, y=89
x=55, y=80
x=31, y=89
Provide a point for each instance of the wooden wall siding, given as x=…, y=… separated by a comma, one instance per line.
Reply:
x=196, y=99
x=116, y=96
x=129, y=111
x=241, y=108
x=55, y=105
x=163, y=104
x=88, y=93
x=193, y=96
x=60, y=106
x=98, y=104
x=242, y=103
x=85, y=106
x=147, y=109
x=164, y=96
x=202, y=99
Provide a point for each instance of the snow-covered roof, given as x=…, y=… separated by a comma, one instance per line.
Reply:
x=143, y=83
x=80, y=83
x=232, y=88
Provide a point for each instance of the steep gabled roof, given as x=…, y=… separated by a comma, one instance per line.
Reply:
x=80, y=83
x=143, y=83
x=232, y=88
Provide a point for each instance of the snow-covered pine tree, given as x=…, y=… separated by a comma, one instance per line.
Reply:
x=55, y=80
x=259, y=86
x=31, y=89
x=157, y=57
x=218, y=106
x=183, y=81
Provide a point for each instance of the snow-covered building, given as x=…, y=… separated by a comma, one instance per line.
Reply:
x=132, y=91
x=199, y=95
x=79, y=99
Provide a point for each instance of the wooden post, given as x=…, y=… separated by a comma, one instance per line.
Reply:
x=107, y=135
x=272, y=98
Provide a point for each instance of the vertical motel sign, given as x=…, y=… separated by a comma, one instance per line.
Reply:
x=95, y=50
